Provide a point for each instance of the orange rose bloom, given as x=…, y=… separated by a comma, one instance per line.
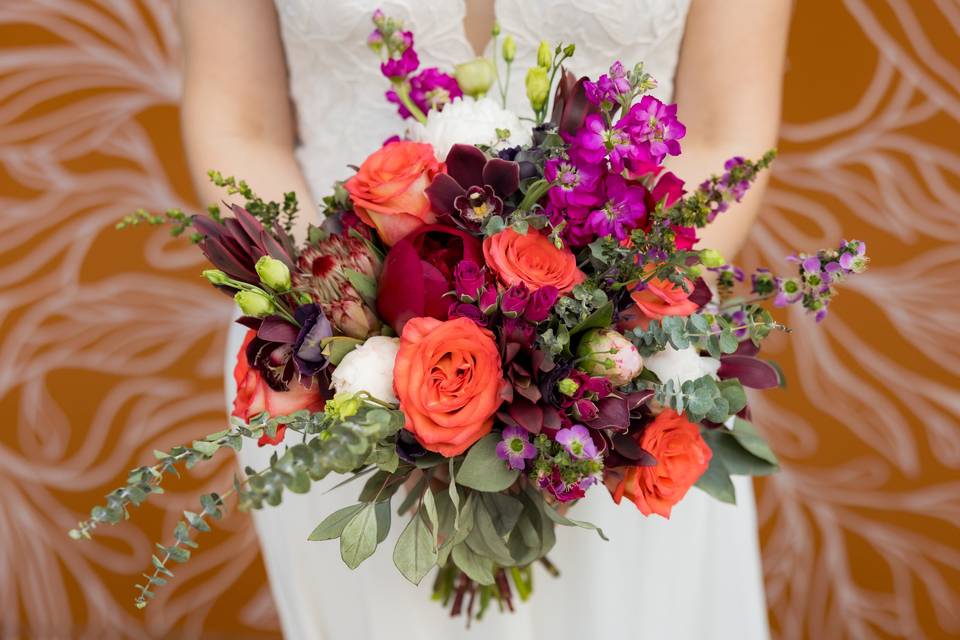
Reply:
x=254, y=395
x=447, y=376
x=658, y=299
x=388, y=190
x=682, y=457
x=531, y=259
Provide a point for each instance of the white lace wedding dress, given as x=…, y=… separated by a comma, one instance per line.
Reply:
x=695, y=576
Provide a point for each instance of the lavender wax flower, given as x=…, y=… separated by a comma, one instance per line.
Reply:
x=516, y=448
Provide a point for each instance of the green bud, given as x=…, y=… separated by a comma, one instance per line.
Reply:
x=496, y=29
x=568, y=386
x=695, y=271
x=537, y=87
x=509, y=49
x=254, y=303
x=273, y=273
x=544, y=55
x=569, y=49
x=711, y=258
x=217, y=277
x=343, y=405
x=475, y=77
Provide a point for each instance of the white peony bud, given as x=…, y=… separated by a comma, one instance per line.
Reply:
x=369, y=368
x=681, y=365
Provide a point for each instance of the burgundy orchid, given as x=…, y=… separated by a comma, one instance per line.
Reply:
x=474, y=187
x=419, y=271
x=282, y=351
x=235, y=244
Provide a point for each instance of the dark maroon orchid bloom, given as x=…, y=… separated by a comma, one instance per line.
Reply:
x=474, y=186
x=282, y=350
x=235, y=244
x=419, y=270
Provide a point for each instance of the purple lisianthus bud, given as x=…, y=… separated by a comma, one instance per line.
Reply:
x=514, y=300
x=488, y=301
x=540, y=303
x=468, y=280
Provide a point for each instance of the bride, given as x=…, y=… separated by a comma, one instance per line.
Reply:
x=286, y=94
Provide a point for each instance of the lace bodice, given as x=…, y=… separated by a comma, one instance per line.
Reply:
x=337, y=88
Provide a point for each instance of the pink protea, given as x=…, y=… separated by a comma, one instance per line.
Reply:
x=322, y=274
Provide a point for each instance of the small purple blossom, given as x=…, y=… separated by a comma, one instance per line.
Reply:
x=488, y=301
x=514, y=300
x=516, y=448
x=397, y=68
x=624, y=210
x=577, y=442
x=609, y=88
x=429, y=89
x=468, y=280
x=575, y=185
x=656, y=124
x=541, y=303
x=553, y=484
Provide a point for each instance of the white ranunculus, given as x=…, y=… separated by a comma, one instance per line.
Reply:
x=681, y=365
x=369, y=368
x=469, y=121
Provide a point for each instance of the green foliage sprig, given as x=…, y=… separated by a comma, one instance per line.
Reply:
x=268, y=212
x=715, y=333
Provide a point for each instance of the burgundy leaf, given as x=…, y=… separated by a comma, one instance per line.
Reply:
x=276, y=329
x=613, y=414
x=526, y=414
x=751, y=372
x=627, y=447
x=701, y=293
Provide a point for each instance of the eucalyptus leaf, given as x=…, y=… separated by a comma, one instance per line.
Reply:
x=746, y=434
x=332, y=526
x=716, y=482
x=430, y=509
x=483, y=470
x=358, y=540
x=504, y=511
x=478, y=569
x=415, y=553
x=382, y=512
x=737, y=459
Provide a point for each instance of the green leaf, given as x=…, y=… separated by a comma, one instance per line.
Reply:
x=454, y=497
x=534, y=192
x=559, y=518
x=504, y=511
x=332, y=526
x=415, y=553
x=732, y=391
x=430, y=509
x=485, y=540
x=736, y=458
x=716, y=482
x=382, y=512
x=205, y=448
x=599, y=319
x=746, y=434
x=365, y=286
x=483, y=470
x=479, y=569
x=412, y=496
x=336, y=347
x=358, y=540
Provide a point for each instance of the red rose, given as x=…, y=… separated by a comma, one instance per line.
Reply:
x=682, y=457
x=254, y=395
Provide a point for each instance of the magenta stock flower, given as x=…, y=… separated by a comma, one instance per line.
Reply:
x=575, y=185
x=516, y=448
x=608, y=88
x=397, y=68
x=429, y=89
x=655, y=123
x=623, y=211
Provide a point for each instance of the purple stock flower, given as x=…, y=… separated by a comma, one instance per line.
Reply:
x=655, y=123
x=577, y=442
x=575, y=184
x=429, y=89
x=514, y=300
x=516, y=448
x=468, y=280
x=401, y=67
x=541, y=303
x=608, y=88
x=624, y=210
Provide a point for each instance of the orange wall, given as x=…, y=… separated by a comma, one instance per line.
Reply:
x=111, y=345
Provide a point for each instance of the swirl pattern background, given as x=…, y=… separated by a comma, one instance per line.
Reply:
x=111, y=345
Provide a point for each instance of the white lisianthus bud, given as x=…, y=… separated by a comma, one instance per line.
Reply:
x=681, y=365
x=606, y=353
x=273, y=273
x=475, y=77
x=368, y=368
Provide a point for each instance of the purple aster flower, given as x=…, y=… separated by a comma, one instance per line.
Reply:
x=624, y=210
x=655, y=123
x=516, y=448
x=577, y=442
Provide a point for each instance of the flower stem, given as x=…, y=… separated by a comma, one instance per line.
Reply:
x=403, y=93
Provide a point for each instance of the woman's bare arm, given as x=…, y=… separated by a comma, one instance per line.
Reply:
x=236, y=113
x=728, y=86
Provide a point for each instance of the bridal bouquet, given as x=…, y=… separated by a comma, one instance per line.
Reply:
x=497, y=315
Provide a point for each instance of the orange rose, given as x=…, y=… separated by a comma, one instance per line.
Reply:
x=254, y=395
x=447, y=376
x=658, y=298
x=682, y=457
x=532, y=259
x=388, y=190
